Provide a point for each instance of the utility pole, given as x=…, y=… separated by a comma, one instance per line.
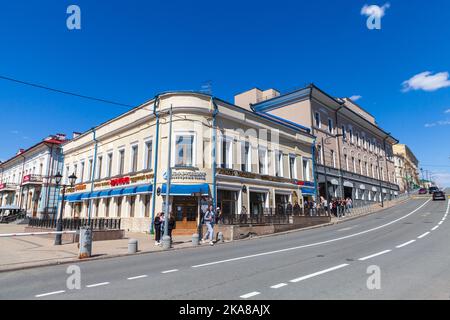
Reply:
x=166, y=238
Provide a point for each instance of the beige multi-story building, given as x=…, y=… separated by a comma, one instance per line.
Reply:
x=354, y=155
x=239, y=160
x=406, y=168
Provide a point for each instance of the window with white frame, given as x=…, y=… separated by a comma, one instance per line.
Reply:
x=246, y=160
x=278, y=163
x=109, y=165
x=346, y=162
x=134, y=158
x=344, y=133
x=75, y=171
x=184, y=150
x=306, y=176
x=333, y=158
x=350, y=132
x=292, y=167
x=82, y=172
x=99, y=167
x=227, y=152
x=317, y=119
x=148, y=154
x=330, y=125
x=262, y=160
x=121, y=163
x=90, y=162
x=358, y=140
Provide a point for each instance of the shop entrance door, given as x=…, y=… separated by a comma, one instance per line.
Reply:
x=185, y=211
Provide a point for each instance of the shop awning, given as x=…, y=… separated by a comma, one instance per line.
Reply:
x=105, y=193
x=94, y=195
x=77, y=197
x=86, y=196
x=186, y=189
x=148, y=188
x=348, y=184
x=308, y=191
x=116, y=192
x=129, y=191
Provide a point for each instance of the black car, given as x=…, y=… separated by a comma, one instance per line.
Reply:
x=431, y=190
x=438, y=195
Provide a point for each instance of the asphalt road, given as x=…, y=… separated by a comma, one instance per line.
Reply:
x=407, y=246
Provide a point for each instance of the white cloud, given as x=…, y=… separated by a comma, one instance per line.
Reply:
x=442, y=179
x=447, y=111
x=427, y=81
x=355, y=97
x=374, y=10
x=437, y=123
x=14, y=132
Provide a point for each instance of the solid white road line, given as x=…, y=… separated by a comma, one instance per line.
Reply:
x=435, y=228
x=374, y=255
x=249, y=295
x=97, y=284
x=312, y=244
x=169, y=271
x=318, y=273
x=49, y=293
x=423, y=235
x=405, y=244
x=440, y=222
x=137, y=277
x=280, y=285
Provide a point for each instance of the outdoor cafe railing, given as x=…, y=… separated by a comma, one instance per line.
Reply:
x=75, y=224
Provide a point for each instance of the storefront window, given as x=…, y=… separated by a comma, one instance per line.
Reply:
x=227, y=202
x=257, y=203
x=246, y=157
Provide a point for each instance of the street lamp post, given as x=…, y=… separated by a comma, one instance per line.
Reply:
x=166, y=238
x=58, y=178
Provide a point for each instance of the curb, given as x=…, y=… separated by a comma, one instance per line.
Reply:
x=106, y=256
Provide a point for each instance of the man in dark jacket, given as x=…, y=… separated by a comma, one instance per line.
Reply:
x=157, y=226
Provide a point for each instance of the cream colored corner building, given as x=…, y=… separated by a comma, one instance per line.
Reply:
x=259, y=162
x=406, y=168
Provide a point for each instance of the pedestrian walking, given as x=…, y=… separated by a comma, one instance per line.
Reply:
x=208, y=219
x=163, y=222
x=157, y=227
x=172, y=226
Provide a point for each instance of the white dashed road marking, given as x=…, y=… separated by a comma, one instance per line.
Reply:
x=318, y=273
x=49, y=293
x=280, y=285
x=374, y=255
x=137, y=277
x=434, y=228
x=97, y=284
x=405, y=244
x=423, y=235
x=170, y=271
x=249, y=295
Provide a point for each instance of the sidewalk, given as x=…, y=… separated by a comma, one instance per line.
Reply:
x=32, y=251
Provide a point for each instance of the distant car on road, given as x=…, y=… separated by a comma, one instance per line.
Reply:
x=431, y=190
x=423, y=191
x=439, y=195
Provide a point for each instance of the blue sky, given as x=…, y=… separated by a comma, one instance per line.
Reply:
x=128, y=51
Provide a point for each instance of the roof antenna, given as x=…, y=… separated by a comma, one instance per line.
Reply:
x=206, y=87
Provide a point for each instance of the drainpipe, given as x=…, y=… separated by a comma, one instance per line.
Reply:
x=155, y=162
x=313, y=152
x=339, y=156
x=21, y=181
x=49, y=176
x=93, y=175
x=214, y=164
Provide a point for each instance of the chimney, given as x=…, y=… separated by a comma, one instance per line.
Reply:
x=253, y=96
x=76, y=135
x=61, y=136
x=20, y=151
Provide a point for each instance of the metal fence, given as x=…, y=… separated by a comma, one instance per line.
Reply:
x=271, y=216
x=75, y=224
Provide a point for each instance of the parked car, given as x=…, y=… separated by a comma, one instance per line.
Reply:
x=439, y=195
x=432, y=189
x=11, y=213
x=423, y=191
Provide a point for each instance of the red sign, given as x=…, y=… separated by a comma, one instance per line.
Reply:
x=26, y=178
x=2, y=186
x=119, y=181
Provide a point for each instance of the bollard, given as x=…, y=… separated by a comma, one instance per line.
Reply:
x=220, y=237
x=85, y=243
x=195, y=240
x=132, y=246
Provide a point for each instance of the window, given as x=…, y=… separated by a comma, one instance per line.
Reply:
x=119, y=206
x=148, y=154
x=147, y=199
x=100, y=167
x=350, y=132
x=82, y=172
x=278, y=163
x=317, y=119
x=330, y=126
x=107, y=203
x=134, y=158
x=306, y=176
x=75, y=170
x=67, y=175
x=262, y=160
x=184, y=150
x=109, y=165
x=371, y=169
x=344, y=133
x=319, y=154
x=346, y=162
x=41, y=167
x=354, y=164
x=333, y=158
x=132, y=206
x=358, y=141
x=121, y=161
x=246, y=159
x=367, y=168
x=227, y=156
x=292, y=169
x=360, y=166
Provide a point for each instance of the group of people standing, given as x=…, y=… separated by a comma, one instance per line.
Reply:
x=209, y=218
x=338, y=206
